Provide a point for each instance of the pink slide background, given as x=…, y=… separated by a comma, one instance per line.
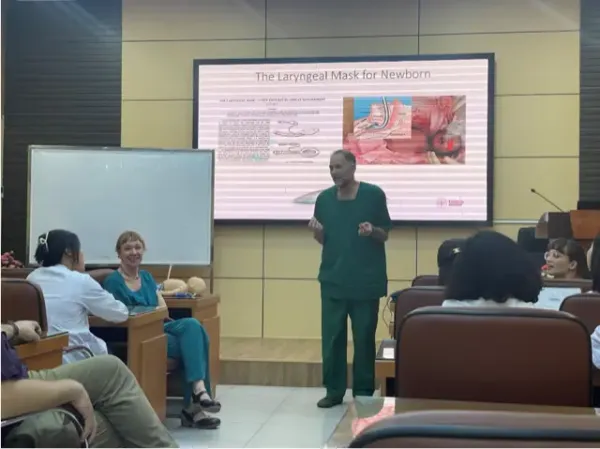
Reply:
x=273, y=136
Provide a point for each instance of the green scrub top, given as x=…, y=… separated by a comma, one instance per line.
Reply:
x=352, y=266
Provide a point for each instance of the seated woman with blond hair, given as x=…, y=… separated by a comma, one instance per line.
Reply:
x=491, y=270
x=187, y=340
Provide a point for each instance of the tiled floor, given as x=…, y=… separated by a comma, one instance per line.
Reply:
x=265, y=417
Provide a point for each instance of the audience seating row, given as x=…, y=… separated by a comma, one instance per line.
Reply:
x=429, y=280
x=483, y=355
x=441, y=333
x=412, y=298
x=22, y=300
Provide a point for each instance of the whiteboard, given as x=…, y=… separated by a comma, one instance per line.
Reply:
x=97, y=193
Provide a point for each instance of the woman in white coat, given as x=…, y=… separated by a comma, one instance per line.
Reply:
x=70, y=294
x=492, y=270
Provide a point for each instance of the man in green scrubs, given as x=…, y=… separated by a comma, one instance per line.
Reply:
x=351, y=221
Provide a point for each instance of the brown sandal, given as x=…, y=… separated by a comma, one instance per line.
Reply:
x=208, y=405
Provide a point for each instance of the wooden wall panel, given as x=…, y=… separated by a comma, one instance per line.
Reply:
x=589, y=132
x=63, y=87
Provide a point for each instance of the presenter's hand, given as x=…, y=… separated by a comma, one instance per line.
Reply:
x=314, y=225
x=365, y=229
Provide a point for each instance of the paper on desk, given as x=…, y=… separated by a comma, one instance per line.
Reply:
x=552, y=297
x=389, y=402
x=388, y=353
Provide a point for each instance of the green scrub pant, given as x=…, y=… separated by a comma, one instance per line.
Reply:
x=188, y=342
x=334, y=330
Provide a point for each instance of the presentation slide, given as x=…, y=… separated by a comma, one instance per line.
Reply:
x=420, y=128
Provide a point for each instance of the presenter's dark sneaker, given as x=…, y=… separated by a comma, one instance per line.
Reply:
x=329, y=401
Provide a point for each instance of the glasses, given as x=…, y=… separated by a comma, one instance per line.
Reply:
x=553, y=254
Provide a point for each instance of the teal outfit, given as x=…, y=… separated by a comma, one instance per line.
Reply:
x=353, y=277
x=187, y=341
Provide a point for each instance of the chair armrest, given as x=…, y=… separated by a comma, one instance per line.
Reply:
x=67, y=410
x=89, y=354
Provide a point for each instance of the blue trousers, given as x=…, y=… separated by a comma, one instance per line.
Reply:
x=187, y=342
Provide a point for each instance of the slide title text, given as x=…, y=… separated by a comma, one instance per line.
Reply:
x=341, y=75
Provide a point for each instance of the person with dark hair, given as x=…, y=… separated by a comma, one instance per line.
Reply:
x=490, y=271
x=70, y=294
x=593, y=260
x=102, y=390
x=446, y=255
x=565, y=259
x=351, y=221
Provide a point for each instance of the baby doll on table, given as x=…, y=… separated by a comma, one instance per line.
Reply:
x=193, y=288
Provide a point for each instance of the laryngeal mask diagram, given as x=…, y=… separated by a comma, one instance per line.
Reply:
x=386, y=119
x=290, y=129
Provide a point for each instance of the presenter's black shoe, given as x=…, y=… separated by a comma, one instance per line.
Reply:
x=329, y=401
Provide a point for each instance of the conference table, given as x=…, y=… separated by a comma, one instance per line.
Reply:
x=368, y=407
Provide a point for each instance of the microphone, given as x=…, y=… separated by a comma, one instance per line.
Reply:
x=535, y=192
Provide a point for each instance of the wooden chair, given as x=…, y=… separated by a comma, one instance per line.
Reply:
x=409, y=299
x=501, y=354
x=586, y=307
x=464, y=428
x=23, y=300
x=425, y=280
x=67, y=411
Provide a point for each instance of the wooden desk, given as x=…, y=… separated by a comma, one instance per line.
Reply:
x=364, y=407
x=206, y=310
x=43, y=354
x=146, y=354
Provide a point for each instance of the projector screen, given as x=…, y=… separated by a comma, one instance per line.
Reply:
x=420, y=127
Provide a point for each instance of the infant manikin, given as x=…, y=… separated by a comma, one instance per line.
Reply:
x=195, y=286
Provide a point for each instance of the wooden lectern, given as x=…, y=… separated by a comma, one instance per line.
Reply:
x=581, y=225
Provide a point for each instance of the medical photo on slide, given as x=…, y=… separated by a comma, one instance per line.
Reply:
x=409, y=130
